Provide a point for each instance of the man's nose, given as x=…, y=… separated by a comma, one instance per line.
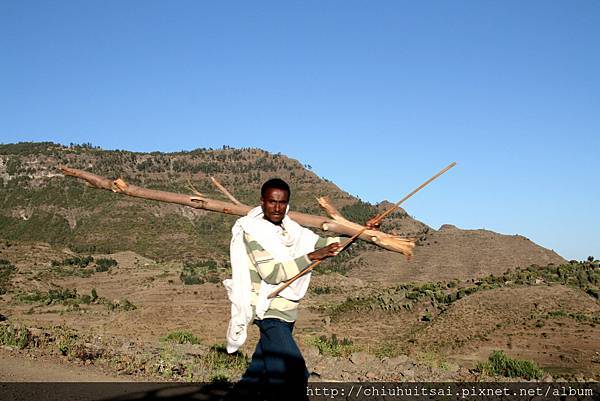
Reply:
x=279, y=207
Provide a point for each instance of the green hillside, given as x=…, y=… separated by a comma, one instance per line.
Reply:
x=39, y=204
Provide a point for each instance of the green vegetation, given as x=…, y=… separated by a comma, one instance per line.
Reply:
x=215, y=365
x=200, y=272
x=81, y=266
x=320, y=290
x=70, y=298
x=103, y=264
x=13, y=336
x=582, y=275
x=580, y=317
x=387, y=350
x=359, y=212
x=7, y=270
x=92, y=221
x=74, y=261
x=120, y=305
x=223, y=366
x=52, y=296
x=332, y=346
x=499, y=364
x=181, y=337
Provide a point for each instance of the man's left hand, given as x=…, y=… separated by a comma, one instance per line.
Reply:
x=325, y=252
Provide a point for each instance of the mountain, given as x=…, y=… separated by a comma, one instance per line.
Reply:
x=39, y=204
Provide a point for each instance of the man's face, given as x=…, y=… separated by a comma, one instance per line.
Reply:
x=274, y=204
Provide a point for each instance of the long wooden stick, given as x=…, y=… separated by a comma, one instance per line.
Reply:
x=384, y=240
x=375, y=220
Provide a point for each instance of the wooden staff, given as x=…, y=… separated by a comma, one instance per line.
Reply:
x=373, y=222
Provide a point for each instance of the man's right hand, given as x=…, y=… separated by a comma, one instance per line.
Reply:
x=325, y=252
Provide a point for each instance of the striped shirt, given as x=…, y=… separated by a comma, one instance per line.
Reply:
x=263, y=266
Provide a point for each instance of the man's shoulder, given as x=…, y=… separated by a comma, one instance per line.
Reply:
x=251, y=243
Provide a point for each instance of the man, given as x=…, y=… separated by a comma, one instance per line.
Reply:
x=267, y=249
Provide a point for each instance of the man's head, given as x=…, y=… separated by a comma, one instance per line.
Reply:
x=274, y=198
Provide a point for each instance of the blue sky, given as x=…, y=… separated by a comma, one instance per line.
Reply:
x=375, y=96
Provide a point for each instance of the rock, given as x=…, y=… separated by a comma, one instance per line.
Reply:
x=371, y=375
x=409, y=374
x=312, y=353
x=398, y=360
x=35, y=332
x=452, y=367
x=363, y=359
x=345, y=375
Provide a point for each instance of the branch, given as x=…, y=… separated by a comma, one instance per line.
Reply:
x=336, y=224
x=225, y=192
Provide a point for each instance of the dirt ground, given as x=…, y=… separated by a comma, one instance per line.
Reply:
x=21, y=367
x=512, y=319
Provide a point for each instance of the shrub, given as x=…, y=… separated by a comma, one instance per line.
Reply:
x=427, y=317
x=593, y=292
x=123, y=304
x=223, y=365
x=332, y=346
x=105, y=263
x=7, y=270
x=78, y=261
x=200, y=272
x=14, y=336
x=499, y=364
x=181, y=337
x=320, y=290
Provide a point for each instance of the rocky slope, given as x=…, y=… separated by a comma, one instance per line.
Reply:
x=37, y=203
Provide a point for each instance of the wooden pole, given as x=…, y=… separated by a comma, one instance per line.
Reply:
x=377, y=219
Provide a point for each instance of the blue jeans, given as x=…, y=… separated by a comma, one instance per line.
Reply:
x=277, y=361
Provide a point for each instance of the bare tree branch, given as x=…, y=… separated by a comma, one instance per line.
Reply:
x=225, y=191
x=336, y=224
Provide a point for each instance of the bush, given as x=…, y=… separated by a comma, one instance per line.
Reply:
x=200, y=272
x=14, y=336
x=320, y=290
x=105, y=263
x=78, y=261
x=123, y=304
x=223, y=365
x=181, y=337
x=7, y=270
x=332, y=346
x=499, y=364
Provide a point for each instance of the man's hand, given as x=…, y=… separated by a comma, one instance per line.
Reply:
x=325, y=252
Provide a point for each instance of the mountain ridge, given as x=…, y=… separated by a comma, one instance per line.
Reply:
x=36, y=195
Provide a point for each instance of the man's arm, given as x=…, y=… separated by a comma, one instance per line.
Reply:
x=275, y=272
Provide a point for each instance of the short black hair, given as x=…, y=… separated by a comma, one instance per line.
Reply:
x=275, y=183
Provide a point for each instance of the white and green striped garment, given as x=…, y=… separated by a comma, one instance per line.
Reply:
x=263, y=266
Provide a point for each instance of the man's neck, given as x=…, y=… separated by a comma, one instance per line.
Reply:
x=275, y=224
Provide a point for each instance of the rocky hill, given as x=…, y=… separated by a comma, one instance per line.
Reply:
x=124, y=284
x=38, y=204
